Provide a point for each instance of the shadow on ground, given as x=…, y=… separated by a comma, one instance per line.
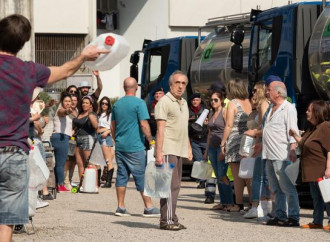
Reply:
x=136, y=225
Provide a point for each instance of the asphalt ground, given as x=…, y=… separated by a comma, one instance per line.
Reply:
x=90, y=217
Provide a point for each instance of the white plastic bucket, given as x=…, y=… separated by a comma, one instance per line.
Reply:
x=118, y=46
x=324, y=185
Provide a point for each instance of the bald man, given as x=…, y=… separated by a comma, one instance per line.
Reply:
x=129, y=123
x=279, y=152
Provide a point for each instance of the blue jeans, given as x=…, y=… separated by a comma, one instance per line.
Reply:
x=283, y=189
x=260, y=180
x=318, y=203
x=131, y=163
x=60, y=142
x=220, y=169
x=198, y=149
x=14, y=184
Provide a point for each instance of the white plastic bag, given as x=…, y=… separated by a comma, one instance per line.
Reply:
x=246, y=168
x=157, y=180
x=97, y=157
x=201, y=170
x=39, y=171
x=292, y=171
x=246, y=146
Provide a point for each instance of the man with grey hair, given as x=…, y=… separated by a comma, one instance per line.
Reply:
x=172, y=144
x=279, y=151
x=129, y=125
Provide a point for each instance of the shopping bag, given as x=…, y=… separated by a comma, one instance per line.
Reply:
x=292, y=171
x=246, y=168
x=39, y=171
x=201, y=170
x=97, y=157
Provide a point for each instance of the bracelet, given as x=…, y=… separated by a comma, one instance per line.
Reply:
x=152, y=142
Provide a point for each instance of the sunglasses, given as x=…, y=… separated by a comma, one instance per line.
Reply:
x=73, y=91
x=214, y=100
x=105, y=104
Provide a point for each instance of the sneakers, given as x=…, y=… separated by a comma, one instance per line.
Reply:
x=47, y=197
x=209, y=200
x=41, y=204
x=62, y=188
x=252, y=213
x=151, y=213
x=122, y=212
x=172, y=227
x=312, y=226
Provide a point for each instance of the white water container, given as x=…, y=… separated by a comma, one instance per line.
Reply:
x=201, y=170
x=246, y=168
x=157, y=181
x=90, y=180
x=246, y=147
x=324, y=185
x=118, y=46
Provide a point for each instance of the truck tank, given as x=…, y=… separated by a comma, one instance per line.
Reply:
x=319, y=55
x=212, y=60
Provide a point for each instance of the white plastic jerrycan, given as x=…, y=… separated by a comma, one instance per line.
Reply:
x=118, y=46
x=324, y=185
x=90, y=180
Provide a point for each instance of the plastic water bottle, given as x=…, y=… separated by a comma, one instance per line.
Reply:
x=324, y=185
x=118, y=46
x=72, y=146
x=246, y=146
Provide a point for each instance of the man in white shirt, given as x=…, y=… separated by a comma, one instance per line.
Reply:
x=279, y=151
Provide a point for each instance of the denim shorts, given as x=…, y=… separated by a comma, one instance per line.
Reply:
x=14, y=180
x=105, y=142
x=131, y=163
x=85, y=142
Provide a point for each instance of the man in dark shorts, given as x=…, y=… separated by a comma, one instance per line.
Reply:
x=18, y=80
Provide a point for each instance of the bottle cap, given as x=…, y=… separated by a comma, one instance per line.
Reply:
x=172, y=165
x=109, y=40
x=319, y=179
x=73, y=138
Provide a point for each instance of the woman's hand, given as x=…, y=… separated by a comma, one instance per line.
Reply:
x=292, y=133
x=205, y=156
x=327, y=173
x=104, y=134
x=251, y=132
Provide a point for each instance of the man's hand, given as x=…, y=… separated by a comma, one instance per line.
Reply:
x=190, y=155
x=91, y=52
x=251, y=132
x=159, y=159
x=327, y=173
x=292, y=155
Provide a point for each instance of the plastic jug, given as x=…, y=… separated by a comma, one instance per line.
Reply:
x=118, y=47
x=324, y=185
x=246, y=147
x=246, y=168
x=90, y=180
x=157, y=181
x=201, y=170
x=72, y=146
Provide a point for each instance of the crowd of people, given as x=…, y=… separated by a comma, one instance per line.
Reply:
x=167, y=126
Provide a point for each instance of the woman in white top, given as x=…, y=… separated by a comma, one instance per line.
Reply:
x=60, y=138
x=104, y=136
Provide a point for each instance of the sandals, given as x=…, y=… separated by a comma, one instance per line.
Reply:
x=234, y=208
x=172, y=227
x=219, y=207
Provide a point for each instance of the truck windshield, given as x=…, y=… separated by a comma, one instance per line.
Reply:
x=265, y=44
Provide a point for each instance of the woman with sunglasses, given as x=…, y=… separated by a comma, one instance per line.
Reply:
x=60, y=138
x=216, y=127
x=85, y=131
x=104, y=136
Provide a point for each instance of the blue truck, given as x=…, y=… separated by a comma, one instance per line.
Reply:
x=291, y=41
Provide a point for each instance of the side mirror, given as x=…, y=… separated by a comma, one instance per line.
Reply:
x=134, y=69
x=237, y=57
x=135, y=58
x=237, y=36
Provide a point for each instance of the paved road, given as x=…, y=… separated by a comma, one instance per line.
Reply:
x=90, y=217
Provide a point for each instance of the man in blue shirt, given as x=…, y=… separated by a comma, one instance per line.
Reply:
x=129, y=123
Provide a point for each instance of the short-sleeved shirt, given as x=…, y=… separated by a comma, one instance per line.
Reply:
x=104, y=120
x=128, y=112
x=316, y=145
x=176, y=114
x=17, y=82
x=276, y=139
